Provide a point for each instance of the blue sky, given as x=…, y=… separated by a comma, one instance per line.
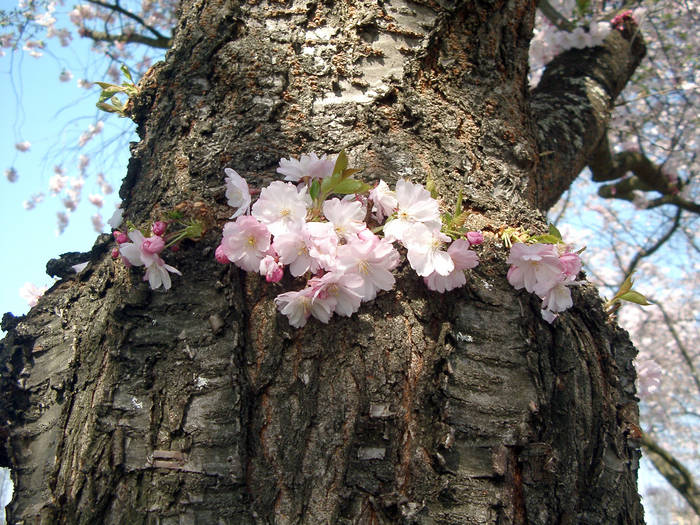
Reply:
x=51, y=115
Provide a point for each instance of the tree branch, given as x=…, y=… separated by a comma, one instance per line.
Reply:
x=572, y=103
x=646, y=176
x=675, y=473
x=647, y=251
x=119, y=9
x=684, y=351
x=131, y=38
x=554, y=16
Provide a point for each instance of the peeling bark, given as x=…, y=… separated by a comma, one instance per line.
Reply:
x=202, y=405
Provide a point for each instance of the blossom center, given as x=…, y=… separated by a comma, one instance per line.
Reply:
x=363, y=267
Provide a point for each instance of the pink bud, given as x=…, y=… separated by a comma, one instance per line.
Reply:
x=475, y=238
x=120, y=237
x=153, y=245
x=220, y=255
x=271, y=269
x=275, y=276
x=115, y=253
x=159, y=227
x=571, y=263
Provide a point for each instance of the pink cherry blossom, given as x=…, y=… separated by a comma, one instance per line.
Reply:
x=322, y=243
x=372, y=259
x=424, y=250
x=384, y=200
x=307, y=167
x=97, y=223
x=292, y=247
x=245, y=242
x=558, y=298
x=31, y=293
x=340, y=289
x=120, y=237
x=23, y=146
x=463, y=259
x=347, y=217
x=414, y=205
x=299, y=306
x=220, y=256
x=143, y=251
x=535, y=267
x=282, y=207
x=96, y=200
x=158, y=274
x=153, y=245
x=571, y=264
x=237, y=192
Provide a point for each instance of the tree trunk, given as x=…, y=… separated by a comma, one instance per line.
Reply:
x=203, y=406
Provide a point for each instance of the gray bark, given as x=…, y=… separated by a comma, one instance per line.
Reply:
x=202, y=405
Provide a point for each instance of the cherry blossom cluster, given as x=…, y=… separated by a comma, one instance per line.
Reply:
x=145, y=251
x=333, y=242
x=548, y=270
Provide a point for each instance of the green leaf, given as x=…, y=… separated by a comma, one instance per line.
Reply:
x=458, y=205
x=554, y=232
x=341, y=164
x=315, y=189
x=108, y=108
x=107, y=85
x=349, y=186
x=126, y=72
x=460, y=219
x=626, y=286
x=329, y=183
x=634, y=297
x=546, y=239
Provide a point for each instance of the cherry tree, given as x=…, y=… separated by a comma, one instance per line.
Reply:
x=647, y=159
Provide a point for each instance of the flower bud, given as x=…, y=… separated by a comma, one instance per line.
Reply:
x=220, y=255
x=153, y=245
x=475, y=238
x=159, y=227
x=271, y=269
x=120, y=237
x=115, y=253
x=571, y=263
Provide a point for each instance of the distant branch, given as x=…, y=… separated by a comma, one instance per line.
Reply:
x=118, y=9
x=554, y=16
x=131, y=38
x=675, y=473
x=681, y=347
x=649, y=250
x=572, y=105
x=646, y=176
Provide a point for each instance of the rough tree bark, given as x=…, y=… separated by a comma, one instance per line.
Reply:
x=202, y=405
